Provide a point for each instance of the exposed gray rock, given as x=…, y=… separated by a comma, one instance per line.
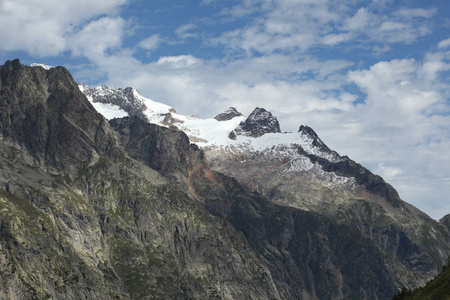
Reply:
x=229, y=114
x=126, y=98
x=445, y=220
x=259, y=122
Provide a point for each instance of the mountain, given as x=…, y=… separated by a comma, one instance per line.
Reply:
x=298, y=170
x=309, y=256
x=80, y=219
x=126, y=209
x=92, y=209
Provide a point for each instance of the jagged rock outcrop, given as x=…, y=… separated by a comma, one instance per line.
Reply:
x=229, y=114
x=165, y=150
x=315, y=140
x=125, y=98
x=344, y=166
x=128, y=99
x=43, y=111
x=259, y=122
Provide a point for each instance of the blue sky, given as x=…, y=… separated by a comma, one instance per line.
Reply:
x=370, y=77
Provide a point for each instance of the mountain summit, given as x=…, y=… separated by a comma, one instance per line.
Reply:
x=259, y=122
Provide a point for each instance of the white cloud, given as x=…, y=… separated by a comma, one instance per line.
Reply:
x=333, y=39
x=96, y=37
x=397, y=97
x=178, y=61
x=391, y=26
x=45, y=27
x=444, y=44
x=416, y=13
x=433, y=67
x=246, y=7
x=401, y=26
x=151, y=42
x=302, y=25
x=185, y=31
x=359, y=21
x=283, y=26
x=388, y=173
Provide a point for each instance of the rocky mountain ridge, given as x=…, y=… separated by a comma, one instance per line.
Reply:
x=298, y=170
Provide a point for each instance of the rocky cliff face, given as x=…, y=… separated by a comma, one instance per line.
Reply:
x=43, y=111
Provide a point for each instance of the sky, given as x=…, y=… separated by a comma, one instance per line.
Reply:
x=370, y=77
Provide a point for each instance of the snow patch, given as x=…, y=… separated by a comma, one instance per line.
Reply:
x=46, y=67
x=109, y=111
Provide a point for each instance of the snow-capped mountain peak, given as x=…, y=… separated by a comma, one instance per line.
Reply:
x=315, y=140
x=229, y=132
x=126, y=101
x=258, y=123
